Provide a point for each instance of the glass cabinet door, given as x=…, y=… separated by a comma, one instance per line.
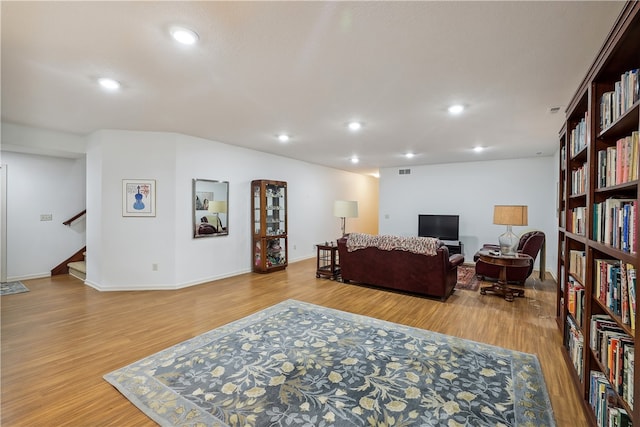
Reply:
x=257, y=207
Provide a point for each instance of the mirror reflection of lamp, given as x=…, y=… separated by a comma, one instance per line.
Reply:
x=344, y=209
x=217, y=207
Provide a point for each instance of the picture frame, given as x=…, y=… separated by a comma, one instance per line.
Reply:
x=139, y=197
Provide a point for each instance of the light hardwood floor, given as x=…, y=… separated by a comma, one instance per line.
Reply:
x=59, y=339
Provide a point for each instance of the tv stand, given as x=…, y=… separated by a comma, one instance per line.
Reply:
x=455, y=247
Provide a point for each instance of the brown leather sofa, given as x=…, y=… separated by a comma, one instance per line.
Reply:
x=433, y=276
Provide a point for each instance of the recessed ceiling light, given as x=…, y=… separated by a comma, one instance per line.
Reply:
x=184, y=35
x=478, y=149
x=283, y=137
x=409, y=155
x=354, y=159
x=354, y=126
x=109, y=84
x=456, y=109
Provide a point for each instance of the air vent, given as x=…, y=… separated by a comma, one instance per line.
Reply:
x=554, y=110
x=404, y=171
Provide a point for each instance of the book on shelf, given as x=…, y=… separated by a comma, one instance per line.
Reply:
x=614, y=286
x=614, y=223
x=618, y=164
x=624, y=95
x=629, y=369
x=579, y=179
x=600, y=397
x=575, y=300
x=578, y=136
x=574, y=342
x=631, y=287
x=577, y=220
x=578, y=264
x=613, y=348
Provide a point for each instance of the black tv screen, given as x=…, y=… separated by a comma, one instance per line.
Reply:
x=444, y=227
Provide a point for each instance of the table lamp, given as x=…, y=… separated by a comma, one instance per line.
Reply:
x=509, y=215
x=345, y=209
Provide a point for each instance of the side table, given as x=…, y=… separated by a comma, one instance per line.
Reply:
x=504, y=261
x=328, y=264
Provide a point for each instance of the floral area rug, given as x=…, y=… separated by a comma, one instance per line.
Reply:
x=467, y=279
x=298, y=364
x=10, y=288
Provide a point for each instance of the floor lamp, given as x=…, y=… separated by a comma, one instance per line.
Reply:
x=509, y=215
x=345, y=209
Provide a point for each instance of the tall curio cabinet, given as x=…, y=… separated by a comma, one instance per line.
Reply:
x=269, y=222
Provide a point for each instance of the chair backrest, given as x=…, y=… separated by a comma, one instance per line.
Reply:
x=531, y=243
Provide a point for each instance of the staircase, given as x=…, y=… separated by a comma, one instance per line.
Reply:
x=75, y=262
x=75, y=265
x=78, y=269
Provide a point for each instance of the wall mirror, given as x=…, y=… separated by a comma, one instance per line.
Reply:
x=210, y=204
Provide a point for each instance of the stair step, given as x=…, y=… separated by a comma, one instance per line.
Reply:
x=78, y=269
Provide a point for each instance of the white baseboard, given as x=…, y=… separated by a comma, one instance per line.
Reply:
x=29, y=277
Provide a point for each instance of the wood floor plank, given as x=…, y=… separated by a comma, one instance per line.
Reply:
x=59, y=339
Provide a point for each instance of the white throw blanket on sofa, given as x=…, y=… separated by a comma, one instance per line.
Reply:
x=417, y=245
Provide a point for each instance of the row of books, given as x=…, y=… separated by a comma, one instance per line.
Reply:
x=577, y=221
x=578, y=136
x=574, y=342
x=601, y=399
x=578, y=264
x=625, y=94
x=614, y=223
x=618, y=164
x=615, y=287
x=615, y=350
x=575, y=300
x=579, y=180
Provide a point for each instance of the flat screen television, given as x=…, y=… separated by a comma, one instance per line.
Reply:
x=444, y=227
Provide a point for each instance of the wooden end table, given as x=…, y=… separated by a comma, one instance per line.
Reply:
x=327, y=261
x=504, y=261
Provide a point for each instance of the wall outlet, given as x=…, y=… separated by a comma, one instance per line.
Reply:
x=294, y=247
x=154, y=267
x=46, y=217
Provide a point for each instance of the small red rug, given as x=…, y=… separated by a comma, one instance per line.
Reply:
x=467, y=279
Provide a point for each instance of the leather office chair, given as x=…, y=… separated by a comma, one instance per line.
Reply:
x=530, y=243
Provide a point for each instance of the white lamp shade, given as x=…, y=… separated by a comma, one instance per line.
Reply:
x=345, y=208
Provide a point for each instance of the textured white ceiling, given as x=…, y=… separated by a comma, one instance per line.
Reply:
x=307, y=68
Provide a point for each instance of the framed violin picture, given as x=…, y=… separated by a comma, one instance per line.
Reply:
x=138, y=197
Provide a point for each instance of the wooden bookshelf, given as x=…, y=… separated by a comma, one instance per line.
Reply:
x=598, y=199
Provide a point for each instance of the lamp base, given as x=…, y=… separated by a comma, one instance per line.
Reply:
x=508, y=242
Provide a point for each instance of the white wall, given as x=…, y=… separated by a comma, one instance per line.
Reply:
x=123, y=249
x=42, y=185
x=471, y=190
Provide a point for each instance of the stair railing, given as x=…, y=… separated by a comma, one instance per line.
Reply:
x=73, y=218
